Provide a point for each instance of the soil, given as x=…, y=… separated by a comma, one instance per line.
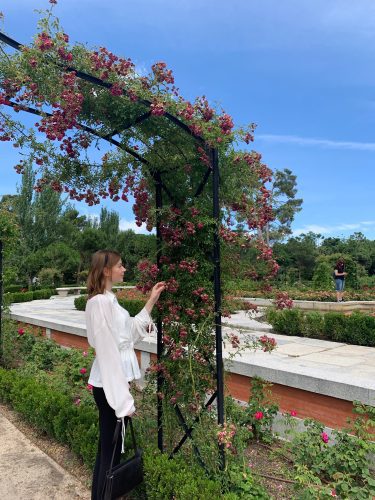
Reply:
x=273, y=471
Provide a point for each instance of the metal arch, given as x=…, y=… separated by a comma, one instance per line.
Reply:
x=97, y=81
x=94, y=132
x=138, y=120
x=216, y=244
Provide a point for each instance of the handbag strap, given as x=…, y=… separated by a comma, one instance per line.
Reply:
x=117, y=433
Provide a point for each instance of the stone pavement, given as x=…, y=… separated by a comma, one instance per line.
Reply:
x=26, y=472
x=329, y=368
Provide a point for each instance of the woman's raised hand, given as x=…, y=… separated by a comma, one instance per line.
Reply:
x=156, y=291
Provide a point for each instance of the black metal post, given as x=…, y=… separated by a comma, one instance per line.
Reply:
x=160, y=378
x=217, y=291
x=1, y=301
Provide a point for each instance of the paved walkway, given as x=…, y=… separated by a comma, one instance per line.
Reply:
x=330, y=368
x=26, y=472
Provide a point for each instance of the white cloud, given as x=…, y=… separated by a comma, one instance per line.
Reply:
x=313, y=228
x=126, y=224
x=359, y=226
x=309, y=141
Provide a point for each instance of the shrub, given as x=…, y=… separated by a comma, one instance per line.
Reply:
x=17, y=344
x=334, y=326
x=10, y=298
x=42, y=294
x=322, y=279
x=45, y=354
x=80, y=302
x=13, y=288
x=50, y=276
x=132, y=306
x=166, y=479
x=343, y=462
x=16, y=297
x=52, y=412
x=285, y=321
x=312, y=325
x=357, y=328
x=260, y=412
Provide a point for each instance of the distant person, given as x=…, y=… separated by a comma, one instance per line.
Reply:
x=339, y=275
x=112, y=333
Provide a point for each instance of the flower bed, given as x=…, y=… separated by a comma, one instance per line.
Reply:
x=357, y=328
x=316, y=295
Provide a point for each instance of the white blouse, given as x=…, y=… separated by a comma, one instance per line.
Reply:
x=112, y=333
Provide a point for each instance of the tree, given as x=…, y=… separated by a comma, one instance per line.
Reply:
x=285, y=205
x=354, y=270
x=109, y=225
x=9, y=235
x=133, y=248
x=64, y=258
x=300, y=253
x=47, y=208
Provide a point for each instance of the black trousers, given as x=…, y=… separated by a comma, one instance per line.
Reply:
x=107, y=425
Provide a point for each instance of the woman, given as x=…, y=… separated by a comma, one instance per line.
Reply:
x=339, y=274
x=112, y=333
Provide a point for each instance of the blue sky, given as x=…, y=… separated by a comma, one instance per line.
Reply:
x=303, y=71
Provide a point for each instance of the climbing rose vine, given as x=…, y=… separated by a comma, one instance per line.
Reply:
x=130, y=119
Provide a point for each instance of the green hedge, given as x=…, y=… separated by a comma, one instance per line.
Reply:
x=10, y=298
x=357, y=328
x=14, y=288
x=132, y=306
x=52, y=412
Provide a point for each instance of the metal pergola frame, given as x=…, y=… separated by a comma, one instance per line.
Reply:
x=159, y=188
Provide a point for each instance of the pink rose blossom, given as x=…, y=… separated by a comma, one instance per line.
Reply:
x=293, y=413
x=325, y=437
x=89, y=387
x=82, y=371
x=21, y=331
x=84, y=354
x=258, y=415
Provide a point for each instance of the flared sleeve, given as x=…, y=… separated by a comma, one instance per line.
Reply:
x=115, y=385
x=139, y=325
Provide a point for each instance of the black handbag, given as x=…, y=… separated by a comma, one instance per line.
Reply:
x=124, y=477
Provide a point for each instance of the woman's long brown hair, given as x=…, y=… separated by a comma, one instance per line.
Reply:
x=100, y=260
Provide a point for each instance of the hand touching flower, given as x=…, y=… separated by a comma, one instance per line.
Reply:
x=155, y=294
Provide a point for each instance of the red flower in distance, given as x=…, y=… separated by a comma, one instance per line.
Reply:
x=21, y=332
x=83, y=371
x=258, y=415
